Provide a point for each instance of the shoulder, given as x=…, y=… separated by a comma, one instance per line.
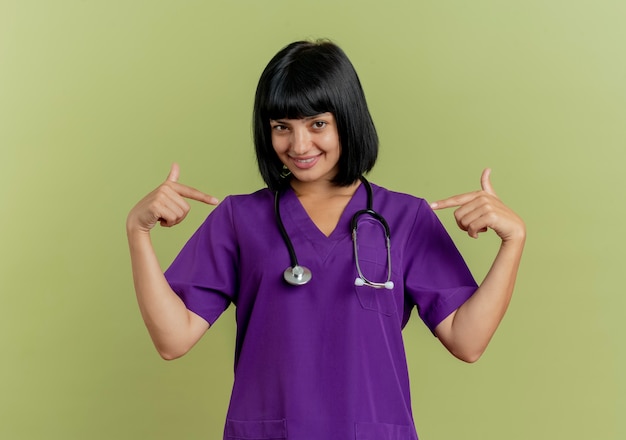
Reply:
x=240, y=207
x=252, y=200
x=407, y=213
x=246, y=210
x=386, y=198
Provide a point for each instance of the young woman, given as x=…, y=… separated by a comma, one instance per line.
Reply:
x=323, y=267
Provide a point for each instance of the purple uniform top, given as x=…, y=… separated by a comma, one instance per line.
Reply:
x=324, y=360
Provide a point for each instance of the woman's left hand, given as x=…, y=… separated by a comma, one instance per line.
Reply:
x=480, y=210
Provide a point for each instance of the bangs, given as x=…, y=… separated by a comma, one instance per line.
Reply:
x=298, y=94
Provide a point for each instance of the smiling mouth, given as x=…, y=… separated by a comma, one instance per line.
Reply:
x=305, y=162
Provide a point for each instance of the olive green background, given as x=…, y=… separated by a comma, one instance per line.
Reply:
x=98, y=98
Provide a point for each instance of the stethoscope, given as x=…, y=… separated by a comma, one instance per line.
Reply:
x=299, y=275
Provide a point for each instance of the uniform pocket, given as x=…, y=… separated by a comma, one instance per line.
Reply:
x=384, y=431
x=256, y=430
x=374, y=265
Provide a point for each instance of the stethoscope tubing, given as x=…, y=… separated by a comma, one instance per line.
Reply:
x=295, y=275
x=298, y=275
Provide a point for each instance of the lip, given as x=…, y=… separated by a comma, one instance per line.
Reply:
x=305, y=162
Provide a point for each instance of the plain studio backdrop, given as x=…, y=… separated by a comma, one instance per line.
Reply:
x=98, y=98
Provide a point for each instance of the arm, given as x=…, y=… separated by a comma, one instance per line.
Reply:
x=173, y=328
x=467, y=331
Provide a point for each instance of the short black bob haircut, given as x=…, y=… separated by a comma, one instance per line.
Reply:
x=304, y=79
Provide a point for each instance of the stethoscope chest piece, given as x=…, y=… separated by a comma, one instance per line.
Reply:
x=297, y=275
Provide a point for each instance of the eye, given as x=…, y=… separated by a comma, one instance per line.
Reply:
x=278, y=127
x=320, y=124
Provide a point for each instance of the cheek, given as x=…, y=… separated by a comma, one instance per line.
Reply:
x=331, y=140
x=280, y=144
x=334, y=147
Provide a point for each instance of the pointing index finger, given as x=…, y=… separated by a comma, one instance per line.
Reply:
x=458, y=200
x=453, y=201
x=188, y=191
x=194, y=194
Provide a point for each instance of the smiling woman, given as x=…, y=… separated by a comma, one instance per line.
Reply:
x=323, y=358
x=98, y=100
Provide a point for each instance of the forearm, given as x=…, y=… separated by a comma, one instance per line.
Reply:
x=469, y=330
x=172, y=327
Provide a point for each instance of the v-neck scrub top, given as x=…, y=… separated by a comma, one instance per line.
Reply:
x=324, y=360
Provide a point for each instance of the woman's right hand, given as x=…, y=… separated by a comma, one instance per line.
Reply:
x=166, y=204
x=173, y=328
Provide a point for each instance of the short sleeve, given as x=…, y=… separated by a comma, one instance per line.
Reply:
x=437, y=280
x=204, y=273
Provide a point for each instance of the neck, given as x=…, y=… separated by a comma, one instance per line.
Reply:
x=322, y=189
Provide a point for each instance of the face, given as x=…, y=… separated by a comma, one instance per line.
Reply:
x=309, y=147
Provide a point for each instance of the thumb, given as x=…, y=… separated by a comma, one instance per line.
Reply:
x=174, y=173
x=485, y=182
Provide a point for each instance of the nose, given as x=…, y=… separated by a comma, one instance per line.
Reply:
x=301, y=141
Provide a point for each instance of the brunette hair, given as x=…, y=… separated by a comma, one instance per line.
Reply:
x=307, y=78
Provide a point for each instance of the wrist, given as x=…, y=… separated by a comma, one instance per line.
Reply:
x=134, y=231
x=515, y=240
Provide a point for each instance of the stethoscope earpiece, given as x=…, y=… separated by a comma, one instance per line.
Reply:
x=361, y=282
